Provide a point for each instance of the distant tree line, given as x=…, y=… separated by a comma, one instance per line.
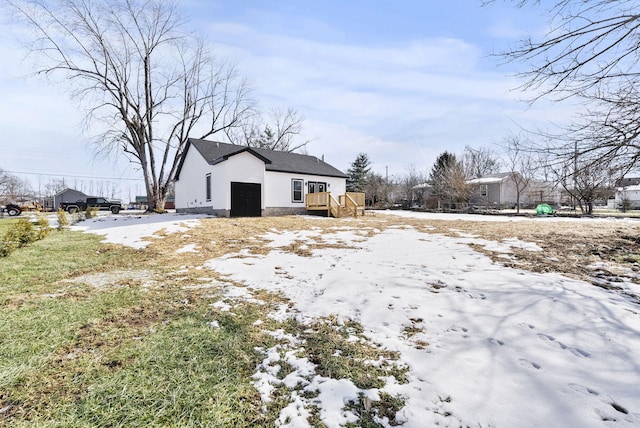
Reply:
x=447, y=181
x=14, y=189
x=589, y=55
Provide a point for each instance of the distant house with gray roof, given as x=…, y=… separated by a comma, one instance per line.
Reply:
x=496, y=190
x=238, y=181
x=67, y=195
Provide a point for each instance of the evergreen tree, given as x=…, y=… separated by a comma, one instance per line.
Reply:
x=359, y=173
x=448, y=179
x=438, y=177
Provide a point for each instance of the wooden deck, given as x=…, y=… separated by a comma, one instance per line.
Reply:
x=348, y=205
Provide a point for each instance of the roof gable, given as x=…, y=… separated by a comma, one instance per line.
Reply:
x=69, y=190
x=215, y=152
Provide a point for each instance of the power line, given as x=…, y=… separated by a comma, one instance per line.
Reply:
x=74, y=176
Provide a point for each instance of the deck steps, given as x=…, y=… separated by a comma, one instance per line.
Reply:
x=350, y=204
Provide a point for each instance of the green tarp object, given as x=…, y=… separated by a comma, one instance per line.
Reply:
x=544, y=209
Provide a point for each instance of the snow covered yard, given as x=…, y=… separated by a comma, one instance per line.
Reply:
x=486, y=343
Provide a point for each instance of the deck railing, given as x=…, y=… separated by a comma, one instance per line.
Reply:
x=349, y=204
x=317, y=200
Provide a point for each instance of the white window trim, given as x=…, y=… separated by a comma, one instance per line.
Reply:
x=293, y=191
x=207, y=187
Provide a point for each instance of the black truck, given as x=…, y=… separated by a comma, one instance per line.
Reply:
x=11, y=209
x=102, y=204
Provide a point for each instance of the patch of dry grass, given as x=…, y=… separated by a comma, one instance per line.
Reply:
x=109, y=312
x=597, y=251
x=583, y=249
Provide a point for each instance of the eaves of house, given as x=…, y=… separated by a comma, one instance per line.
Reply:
x=276, y=161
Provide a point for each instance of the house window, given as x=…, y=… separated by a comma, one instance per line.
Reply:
x=208, y=187
x=296, y=190
x=484, y=190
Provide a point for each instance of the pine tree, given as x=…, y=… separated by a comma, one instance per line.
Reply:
x=358, y=173
x=448, y=179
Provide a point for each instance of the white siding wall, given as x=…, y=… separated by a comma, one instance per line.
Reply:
x=508, y=196
x=190, y=188
x=243, y=168
x=278, y=188
x=510, y=193
x=631, y=192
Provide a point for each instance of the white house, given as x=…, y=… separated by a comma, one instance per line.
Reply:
x=627, y=195
x=229, y=180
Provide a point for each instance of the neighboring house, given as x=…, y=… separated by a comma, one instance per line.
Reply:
x=497, y=191
x=629, y=194
x=229, y=180
x=67, y=195
x=631, y=181
x=544, y=192
x=423, y=196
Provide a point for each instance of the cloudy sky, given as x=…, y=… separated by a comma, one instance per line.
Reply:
x=401, y=81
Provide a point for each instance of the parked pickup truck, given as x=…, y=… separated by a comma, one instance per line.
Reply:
x=12, y=210
x=101, y=204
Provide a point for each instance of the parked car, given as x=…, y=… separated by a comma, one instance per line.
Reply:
x=12, y=209
x=102, y=204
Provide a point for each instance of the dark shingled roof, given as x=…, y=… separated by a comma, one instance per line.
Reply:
x=214, y=152
x=631, y=181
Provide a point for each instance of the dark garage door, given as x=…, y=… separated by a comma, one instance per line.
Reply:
x=246, y=200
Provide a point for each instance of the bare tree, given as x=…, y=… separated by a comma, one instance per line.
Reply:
x=6, y=185
x=4, y=179
x=521, y=163
x=13, y=188
x=376, y=190
x=591, y=53
x=406, y=185
x=449, y=181
x=17, y=190
x=146, y=81
x=585, y=177
x=281, y=131
x=590, y=45
x=480, y=162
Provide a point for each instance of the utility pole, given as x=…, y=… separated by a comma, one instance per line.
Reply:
x=386, y=184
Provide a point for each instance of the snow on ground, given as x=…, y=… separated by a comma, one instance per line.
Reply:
x=131, y=229
x=507, y=347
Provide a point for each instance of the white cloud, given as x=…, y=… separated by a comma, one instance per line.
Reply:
x=392, y=102
x=402, y=102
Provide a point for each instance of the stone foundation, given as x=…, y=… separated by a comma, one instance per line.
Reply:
x=267, y=212
x=278, y=211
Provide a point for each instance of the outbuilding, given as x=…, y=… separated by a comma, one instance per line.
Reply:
x=229, y=180
x=66, y=195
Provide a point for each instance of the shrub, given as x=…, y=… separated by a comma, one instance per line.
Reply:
x=626, y=205
x=63, y=219
x=22, y=233
x=7, y=247
x=44, y=228
x=90, y=212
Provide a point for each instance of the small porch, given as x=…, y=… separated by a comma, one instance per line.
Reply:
x=350, y=204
